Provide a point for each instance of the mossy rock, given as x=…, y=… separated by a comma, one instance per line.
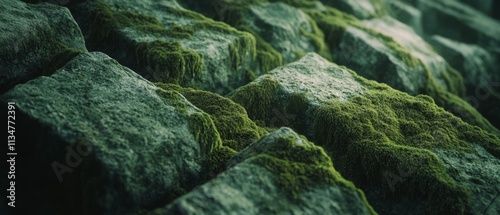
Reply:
x=164, y=42
x=404, y=61
x=236, y=130
x=288, y=30
x=282, y=30
x=36, y=40
x=373, y=132
x=457, y=21
x=482, y=77
x=407, y=13
x=106, y=141
x=362, y=9
x=281, y=173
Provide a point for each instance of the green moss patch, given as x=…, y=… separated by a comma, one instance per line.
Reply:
x=458, y=106
x=379, y=134
x=168, y=61
x=257, y=98
x=334, y=23
x=299, y=165
x=204, y=130
x=235, y=130
x=386, y=131
x=268, y=58
x=165, y=59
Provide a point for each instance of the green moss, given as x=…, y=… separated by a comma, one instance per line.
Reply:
x=205, y=132
x=251, y=76
x=257, y=98
x=382, y=131
x=267, y=56
x=235, y=128
x=301, y=166
x=109, y=22
x=55, y=55
x=296, y=109
x=386, y=130
x=165, y=61
x=318, y=38
x=229, y=128
x=454, y=81
x=168, y=61
x=206, y=127
x=458, y=106
x=334, y=23
x=218, y=159
x=201, y=123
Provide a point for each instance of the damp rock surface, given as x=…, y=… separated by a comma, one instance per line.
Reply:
x=164, y=42
x=137, y=144
x=379, y=138
x=36, y=40
x=251, y=107
x=266, y=172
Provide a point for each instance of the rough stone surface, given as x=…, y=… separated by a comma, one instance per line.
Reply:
x=207, y=136
x=462, y=22
x=377, y=137
x=405, y=78
x=283, y=31
x=138, y=145
x=213, y=56
x=406, y=13
x=36, y=40
x=288, y=30
x=479, y=171
x=473, y=61
x=388, y=51
x=251, y=185
x=362, y=9
x=481, y=76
